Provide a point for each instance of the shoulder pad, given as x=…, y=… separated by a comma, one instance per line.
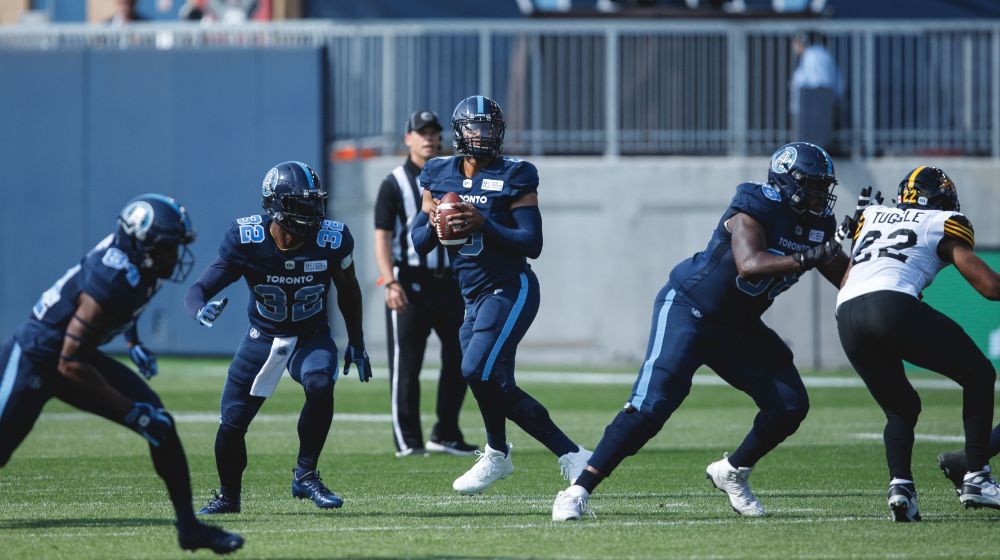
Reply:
x=116, y=259
x=959, y=227
x=523, y=175
x=249, y=229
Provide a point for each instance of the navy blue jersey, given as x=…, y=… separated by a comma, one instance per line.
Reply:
x=480, y=266
x=709, y=279
x=105, y=274
x=288, y=288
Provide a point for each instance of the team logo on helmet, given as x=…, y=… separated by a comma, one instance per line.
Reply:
x=782, y=161
x=137, y=218
x=270, y=181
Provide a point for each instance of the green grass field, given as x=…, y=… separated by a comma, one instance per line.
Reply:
x=81, y=487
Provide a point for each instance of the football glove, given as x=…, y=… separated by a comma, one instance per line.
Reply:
x=144, y=359
x=208, y=314
x=358, y=356
x=865, y=200
x=820, y=254
x=846, y=229
x=154, y=424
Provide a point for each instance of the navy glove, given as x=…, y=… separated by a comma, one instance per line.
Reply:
x=144, y=359
x=820, y=254
x=358, y=356
x=208, y=314
x=151, y=423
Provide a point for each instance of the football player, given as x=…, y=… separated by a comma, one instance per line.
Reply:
x=709, y=313
x=288, y=259
x=56, y=352
x=501, y=220
x=882, y=321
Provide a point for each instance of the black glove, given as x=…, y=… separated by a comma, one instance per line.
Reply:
x=846, y=230
x=865, y=200
x=820, y=254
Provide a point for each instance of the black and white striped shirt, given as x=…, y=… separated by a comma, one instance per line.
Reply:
x=396, y=207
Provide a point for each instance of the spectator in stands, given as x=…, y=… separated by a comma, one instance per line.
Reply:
x=125, y=12
x=816, y=88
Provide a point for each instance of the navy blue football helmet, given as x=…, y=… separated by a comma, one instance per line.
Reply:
x=154, y=230
x=927, y=187
x=804, y=174
x=294, y=197
x=477, y=127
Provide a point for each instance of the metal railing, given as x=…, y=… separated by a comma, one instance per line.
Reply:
x=626, y=87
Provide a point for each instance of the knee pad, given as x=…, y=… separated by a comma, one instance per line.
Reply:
x=227, y=429
x=317, y=384
x=786, y=421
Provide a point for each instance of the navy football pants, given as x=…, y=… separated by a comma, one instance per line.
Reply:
x=26, y=384
x=747, y=355
x=495, y=323
x=313, y=364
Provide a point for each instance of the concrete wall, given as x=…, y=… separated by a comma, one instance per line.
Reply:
x=614, y=229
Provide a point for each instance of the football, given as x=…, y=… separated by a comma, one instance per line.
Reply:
x=448, y=207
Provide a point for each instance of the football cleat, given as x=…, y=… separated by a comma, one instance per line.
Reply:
x=491, y=466
x=572, y=464
x=980, y=490
x=309, y=485
x=215, y=539
x=903, y=502
x=412, y=452
x=570, y=507
x=220, y=503
x=451, y=447
x=735, y=483
x=952, y=464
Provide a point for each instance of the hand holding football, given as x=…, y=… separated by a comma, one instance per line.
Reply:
x=445, y=229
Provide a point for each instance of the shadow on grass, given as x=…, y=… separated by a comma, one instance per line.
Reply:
x=116, y=523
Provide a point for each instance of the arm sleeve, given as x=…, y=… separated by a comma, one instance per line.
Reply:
x=216, y=277
x=423, y=235
x=524, y=239
x=386, y=205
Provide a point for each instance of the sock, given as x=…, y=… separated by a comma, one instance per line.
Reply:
x=171, y=464
x=532, y=417
x=315, y=418
x=230, y=459
x=896, y=481
x=489, y=398
x=587, y=481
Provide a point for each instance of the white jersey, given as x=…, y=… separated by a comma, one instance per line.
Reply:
x=896, y=249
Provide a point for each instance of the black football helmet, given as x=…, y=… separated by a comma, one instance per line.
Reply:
x=154, y=230
x=294, y=197
x=927, y=187
x=803, y=172
x=477, y=127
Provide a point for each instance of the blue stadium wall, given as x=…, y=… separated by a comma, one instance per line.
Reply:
x=84, y=131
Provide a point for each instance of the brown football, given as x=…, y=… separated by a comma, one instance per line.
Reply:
x=447, y=208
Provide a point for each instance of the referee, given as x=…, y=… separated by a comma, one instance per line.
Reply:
x=420, y=295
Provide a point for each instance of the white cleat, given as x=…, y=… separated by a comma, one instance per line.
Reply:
x=980, y=490
x=735, y=483
x=491, y=466
x=570, y=505
x=571, y=465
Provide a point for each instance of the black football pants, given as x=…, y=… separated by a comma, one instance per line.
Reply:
x=881, y=329
x=435, y=305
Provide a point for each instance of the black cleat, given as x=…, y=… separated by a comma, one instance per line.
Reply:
x=215, y=539
x=309, y=485
x=220, y=503
x=451, y=447
x=903, y=502
x=952, y=464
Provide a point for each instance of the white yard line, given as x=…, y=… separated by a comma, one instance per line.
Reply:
x=918, y=437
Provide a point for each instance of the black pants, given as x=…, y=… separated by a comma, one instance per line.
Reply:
x=881, y=329
x=435, y=305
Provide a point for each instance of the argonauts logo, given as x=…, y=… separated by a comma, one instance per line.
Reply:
x=270, y=181
x=137, y=218
x=783, y=159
